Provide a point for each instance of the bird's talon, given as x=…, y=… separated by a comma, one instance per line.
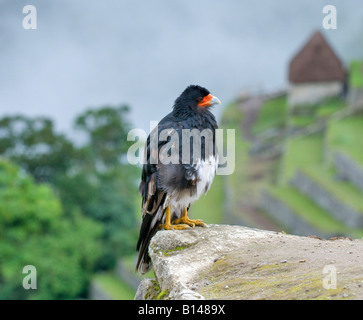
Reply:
x=166, y=226
x=181, y=226
x=189, y=222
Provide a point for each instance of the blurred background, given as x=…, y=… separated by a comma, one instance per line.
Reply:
x=71, y=90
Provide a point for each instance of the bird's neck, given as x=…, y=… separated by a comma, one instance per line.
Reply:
x=185, y=112
x=196, y=116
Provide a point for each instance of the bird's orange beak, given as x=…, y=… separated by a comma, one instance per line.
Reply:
x=209, y=100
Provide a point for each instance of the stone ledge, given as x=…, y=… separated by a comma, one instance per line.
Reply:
x=233, y=262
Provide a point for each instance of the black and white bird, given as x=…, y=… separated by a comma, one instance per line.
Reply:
x=177, y=171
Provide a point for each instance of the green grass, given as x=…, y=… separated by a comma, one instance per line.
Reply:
x=343, y=191
x=356, y=74
x=346, y=136
x=236, y=182
x=272, y=115
x=300, y=152
x=301, y=120
x=304, y=116
x=231, y=117
x=237, y=178
x=329, y=107
x=114, y=287
x=308, y=211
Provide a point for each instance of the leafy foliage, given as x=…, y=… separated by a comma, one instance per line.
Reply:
x=33, y=144
x=34, y=231
x=110, y=182
x=89, y=225
x=106, y=130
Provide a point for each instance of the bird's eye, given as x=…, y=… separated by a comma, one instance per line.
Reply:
x=200, y=99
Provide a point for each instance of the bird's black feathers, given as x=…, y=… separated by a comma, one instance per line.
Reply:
x=188, y=100
x=158, y=180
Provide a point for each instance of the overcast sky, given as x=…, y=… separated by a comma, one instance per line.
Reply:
x=144, y=53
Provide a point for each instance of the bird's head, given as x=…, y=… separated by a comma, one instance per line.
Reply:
x=196, y=98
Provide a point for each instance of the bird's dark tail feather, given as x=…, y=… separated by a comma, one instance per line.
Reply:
x=144, y=262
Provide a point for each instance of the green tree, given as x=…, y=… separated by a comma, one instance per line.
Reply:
x=106, y=129
x=34, y=145
x=109, y=198
x=105, y=187
x=93, y=178
x=35, y=231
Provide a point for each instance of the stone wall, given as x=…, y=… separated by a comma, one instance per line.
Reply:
x=327, y=201
x=348, y=169
x=286, y=216
x=355, y=98
x=313, y=93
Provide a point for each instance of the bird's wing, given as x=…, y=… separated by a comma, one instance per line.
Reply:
x=153, y=196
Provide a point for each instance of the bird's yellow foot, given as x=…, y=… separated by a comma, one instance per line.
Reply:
x=173, y=226
x=186, y=221
x=168, y=226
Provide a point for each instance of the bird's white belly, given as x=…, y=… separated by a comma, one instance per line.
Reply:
x=204, y=177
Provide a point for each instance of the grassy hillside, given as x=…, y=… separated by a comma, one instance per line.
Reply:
x=272, y=115
x=356, y=74
x=308, y=211
x=301, y=150
x=346, y=136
